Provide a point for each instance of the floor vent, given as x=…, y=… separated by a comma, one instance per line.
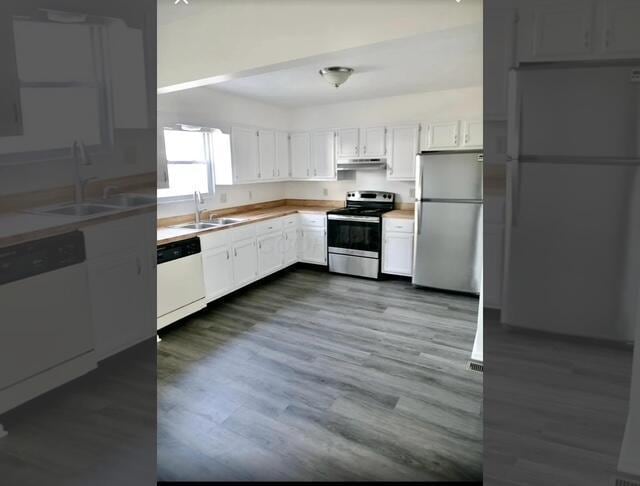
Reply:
x=479, y=367
x=626, y=482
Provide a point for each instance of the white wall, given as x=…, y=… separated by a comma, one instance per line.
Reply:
x=287, y=30
x=208, y=107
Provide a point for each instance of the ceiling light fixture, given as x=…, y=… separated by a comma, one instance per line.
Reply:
x=336, y=75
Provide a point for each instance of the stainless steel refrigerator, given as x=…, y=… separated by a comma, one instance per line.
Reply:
x=448, y=241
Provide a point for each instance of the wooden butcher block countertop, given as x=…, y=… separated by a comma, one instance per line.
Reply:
x=400, y=214
x=169, y=235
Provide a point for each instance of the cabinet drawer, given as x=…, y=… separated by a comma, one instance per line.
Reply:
x=268, y=226
x=243, y=232
x=319, y=220
x=215, y=239
x=398, y=225
x=290, y=221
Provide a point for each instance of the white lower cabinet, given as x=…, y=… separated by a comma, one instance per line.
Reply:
x=270, y=255
x=120, y=270
x=218, y=271
x=313, y=243
x=397, y=246
x=290, y=245
x=245, y=262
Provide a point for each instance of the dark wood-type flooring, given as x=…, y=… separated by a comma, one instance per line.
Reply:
x=315, y=376
x=555, y=408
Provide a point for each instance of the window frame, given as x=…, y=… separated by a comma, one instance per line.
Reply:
x=211, y=185
x=101, y=82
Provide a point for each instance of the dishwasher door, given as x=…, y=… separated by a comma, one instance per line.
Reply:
x=180, y=283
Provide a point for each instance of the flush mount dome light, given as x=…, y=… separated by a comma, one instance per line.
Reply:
x=336, y=75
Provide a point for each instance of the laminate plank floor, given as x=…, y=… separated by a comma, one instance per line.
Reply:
x=555, y=408
x=315, y=376
x=99, y=429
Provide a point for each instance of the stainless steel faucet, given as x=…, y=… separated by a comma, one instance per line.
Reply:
x=197, y=199
x=80, y=157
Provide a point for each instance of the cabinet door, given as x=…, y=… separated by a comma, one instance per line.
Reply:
x=442, y=136
x=373, y=141
x=290, y=246
x=283, y=170
x=348, y=142
x=622, y=27
x=397, y=253
x=313, y=245
x=472, y=134
x=244, y=147
x=300, y=156
x=267, y=154
x=403, y=148
x=323, y=154
x=245, y=262
x=118, y=296
x=270, y=253
x=563, y=29
x=217, y=268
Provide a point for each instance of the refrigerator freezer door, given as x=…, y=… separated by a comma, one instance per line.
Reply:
x=448, y=253
x=450, y=176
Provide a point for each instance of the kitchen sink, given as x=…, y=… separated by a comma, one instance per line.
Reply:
x=128, y=200
x=223, y=221
x=72, y=209
x=196, y=226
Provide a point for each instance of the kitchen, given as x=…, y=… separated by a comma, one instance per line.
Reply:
x=331, y=298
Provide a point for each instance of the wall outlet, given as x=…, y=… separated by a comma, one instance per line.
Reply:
x=325, y=191
x=412, y=193
x=223, y=197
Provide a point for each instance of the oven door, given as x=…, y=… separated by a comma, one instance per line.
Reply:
x=354, y=235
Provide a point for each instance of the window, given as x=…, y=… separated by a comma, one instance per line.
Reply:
x=76, y=87
x=188, y=154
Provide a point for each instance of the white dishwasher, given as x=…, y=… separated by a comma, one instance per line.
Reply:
x=180, y=281
x=46, y=333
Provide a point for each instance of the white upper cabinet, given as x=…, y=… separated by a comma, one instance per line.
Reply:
x=267, y=154
x=282, y=169
x=348, y=140
x=472, y=134
x=373, y=141
x=244, y=154
x=323, y=154
x=566, y=30
x=563, y=28
x=403, y=148
x=361, y=142
x=300, y=155
x=442, y=136
x=621, y=28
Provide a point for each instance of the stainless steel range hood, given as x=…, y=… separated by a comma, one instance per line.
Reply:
x=361, y=164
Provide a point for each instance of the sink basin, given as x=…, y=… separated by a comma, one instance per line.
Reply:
x=128, y=200
x=72, y=209
x=195, y=226
x=222, y=221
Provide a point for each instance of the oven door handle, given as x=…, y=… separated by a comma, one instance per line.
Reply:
x=363, y=219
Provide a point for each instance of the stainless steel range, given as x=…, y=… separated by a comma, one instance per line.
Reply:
x=354, y=233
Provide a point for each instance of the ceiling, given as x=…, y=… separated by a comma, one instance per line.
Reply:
x=433, y=61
